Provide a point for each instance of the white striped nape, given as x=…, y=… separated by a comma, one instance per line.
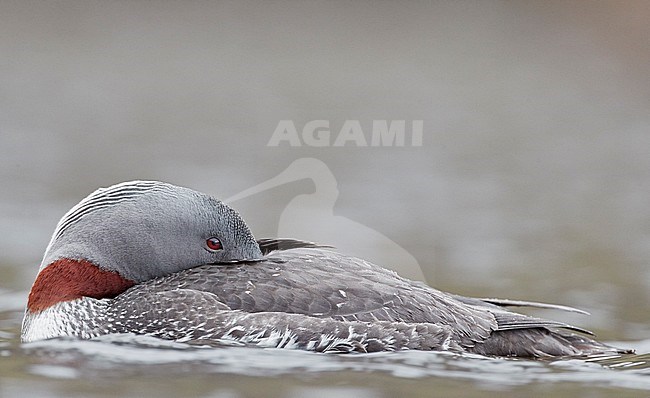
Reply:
x=106, y=197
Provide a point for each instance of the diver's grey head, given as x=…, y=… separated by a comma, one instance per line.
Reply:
x=147, y=229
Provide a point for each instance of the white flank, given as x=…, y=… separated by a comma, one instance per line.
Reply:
x=68, y=318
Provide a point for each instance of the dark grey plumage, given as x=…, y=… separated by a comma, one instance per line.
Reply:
x=317, y=299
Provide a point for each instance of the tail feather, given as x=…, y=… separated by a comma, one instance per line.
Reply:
x=542, y=343
x=532, y=304
x=269, y=245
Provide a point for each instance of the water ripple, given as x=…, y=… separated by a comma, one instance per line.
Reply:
x=121, y=354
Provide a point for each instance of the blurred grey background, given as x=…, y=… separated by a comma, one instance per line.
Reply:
x=533, y=177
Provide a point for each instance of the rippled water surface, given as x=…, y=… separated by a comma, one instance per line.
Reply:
x=144, y=366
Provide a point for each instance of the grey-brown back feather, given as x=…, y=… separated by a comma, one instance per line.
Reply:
x=298, y=289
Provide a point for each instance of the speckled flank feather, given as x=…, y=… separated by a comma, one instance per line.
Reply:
x=205, y=320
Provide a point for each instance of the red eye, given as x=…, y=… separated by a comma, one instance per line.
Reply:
x=214, y=244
